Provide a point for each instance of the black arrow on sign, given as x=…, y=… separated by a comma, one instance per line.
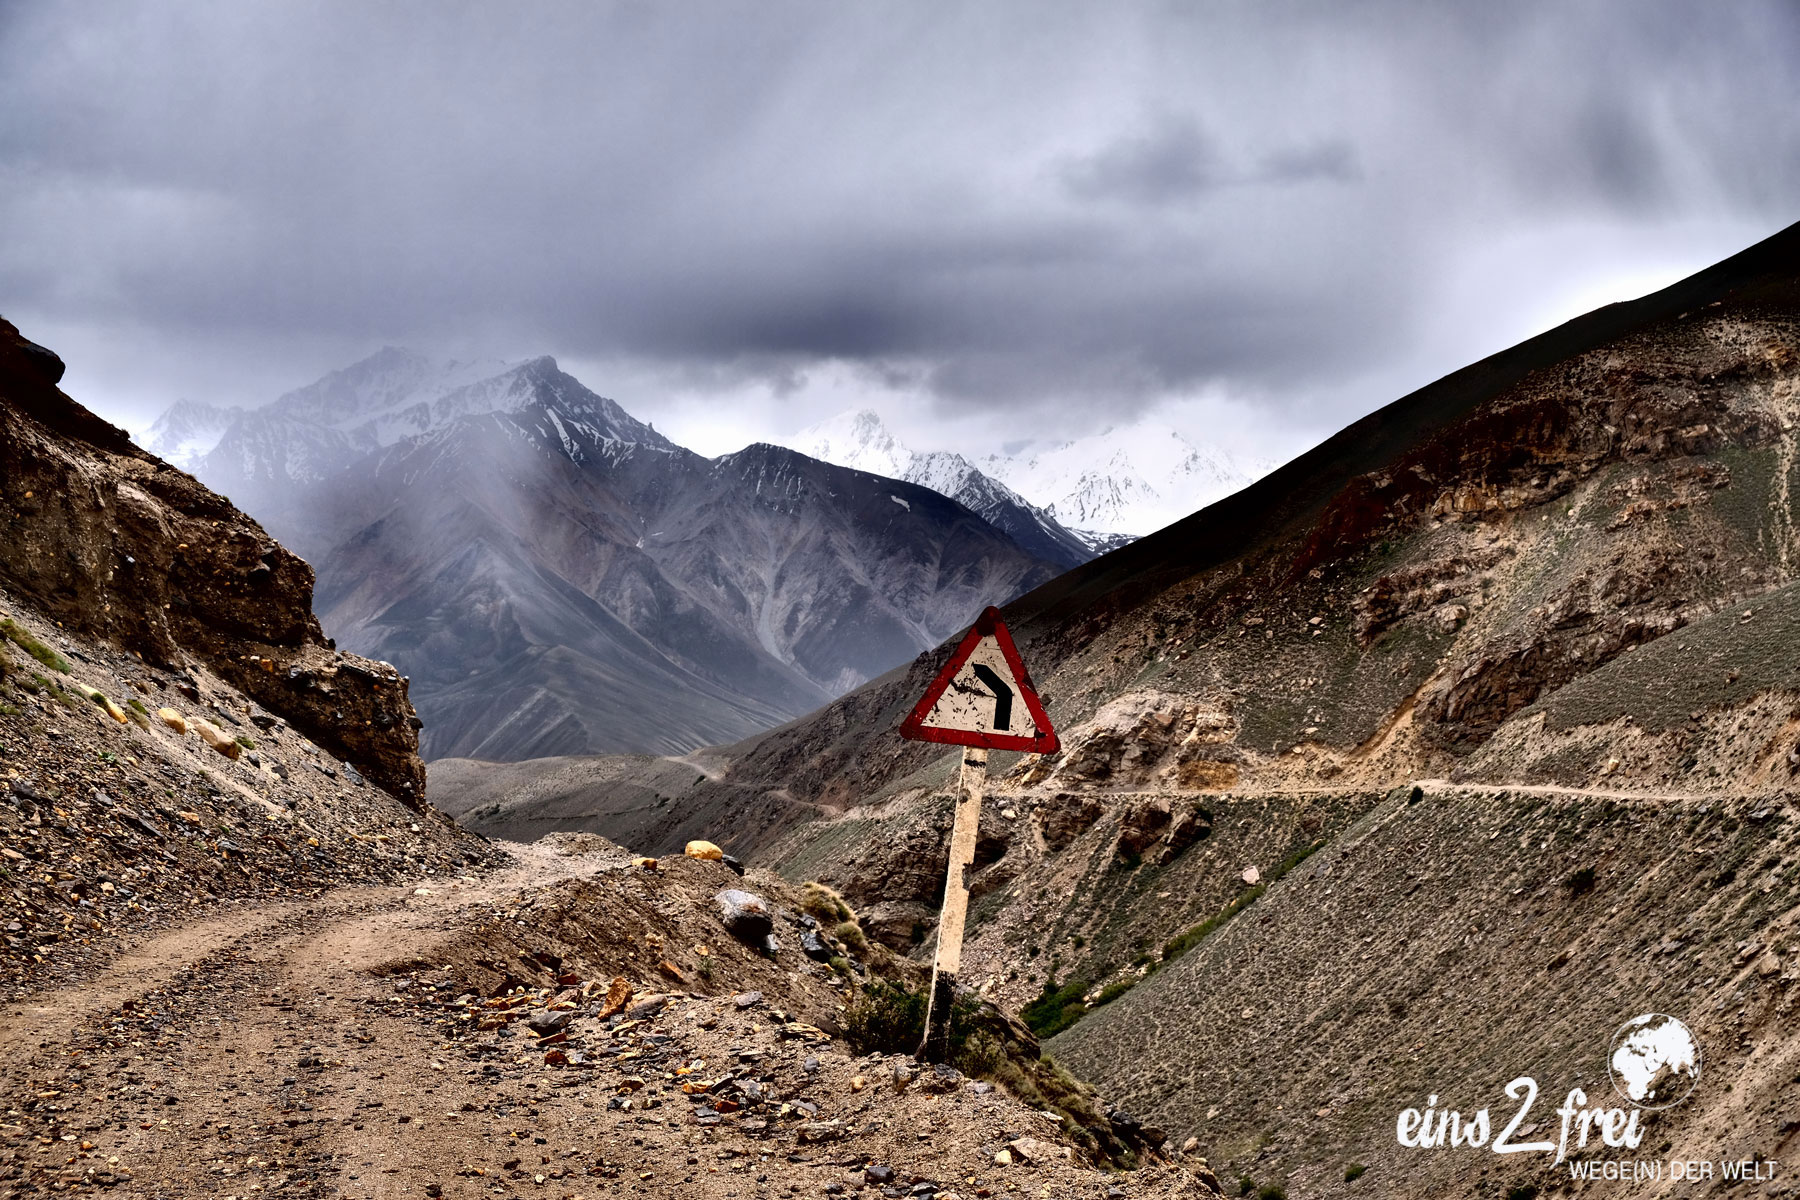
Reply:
x=1003, y=695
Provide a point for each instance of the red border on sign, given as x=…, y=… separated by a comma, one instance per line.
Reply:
x=989, y=622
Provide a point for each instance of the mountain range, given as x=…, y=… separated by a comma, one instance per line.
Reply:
x=1100, y=492
x=557, y=577
x=860, y=440
x=1417, y=766
x=1125, y=481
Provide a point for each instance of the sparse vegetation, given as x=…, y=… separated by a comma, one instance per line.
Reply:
x=1056, y=1009
x=246, y=742
x=888, y=1019
x=824, y=904
x=1354, y=1172
x=1114, y=990
x=30, y=645
x=851, y=934
x=1183, y=942
x=1273, y=1191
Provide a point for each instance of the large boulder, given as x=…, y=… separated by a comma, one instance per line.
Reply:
x=746, y=915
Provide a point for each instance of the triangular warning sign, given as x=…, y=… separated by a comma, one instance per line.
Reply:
x=983, y=697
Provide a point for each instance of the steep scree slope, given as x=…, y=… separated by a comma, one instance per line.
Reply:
x=116, y=545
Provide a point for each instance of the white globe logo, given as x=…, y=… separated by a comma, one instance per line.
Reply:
x=1655, y=1061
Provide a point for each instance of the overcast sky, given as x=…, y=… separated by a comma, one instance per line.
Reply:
x=989, y=221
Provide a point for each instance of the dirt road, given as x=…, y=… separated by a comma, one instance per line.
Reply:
x=336, y=1047
x=247, y=1053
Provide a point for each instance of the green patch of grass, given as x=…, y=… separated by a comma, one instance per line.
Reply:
x=1354, y=1172
x=30, y=645
x=851, y=934
x=137, y=706
x=1056, y=1009
x=1181, y=943
x=246, y=742
x=889, y=1018
x=39, y=685
x=1114, y=990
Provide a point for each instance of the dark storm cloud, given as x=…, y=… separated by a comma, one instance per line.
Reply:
x=1174, y=160
x=1024, y=205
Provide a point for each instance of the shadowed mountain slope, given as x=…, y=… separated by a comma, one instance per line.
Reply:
x=1556, y=589
x=556, y=577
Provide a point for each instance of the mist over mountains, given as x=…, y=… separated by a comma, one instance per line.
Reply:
x=557, y=577
x=1103, y=490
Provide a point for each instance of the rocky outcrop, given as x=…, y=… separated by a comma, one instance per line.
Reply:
x=113, y=543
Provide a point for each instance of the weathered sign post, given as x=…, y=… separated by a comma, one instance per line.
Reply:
x=982, y=700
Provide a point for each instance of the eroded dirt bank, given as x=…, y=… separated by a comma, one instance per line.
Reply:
x=470, y=1037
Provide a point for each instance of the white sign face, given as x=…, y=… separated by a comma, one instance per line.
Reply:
x=983, y=697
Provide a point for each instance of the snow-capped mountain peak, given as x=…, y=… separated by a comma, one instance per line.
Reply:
x=1125, y=480
x=389, y=397
x=188, y=430
x=861, y=441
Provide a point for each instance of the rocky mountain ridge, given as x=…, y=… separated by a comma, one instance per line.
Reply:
x=175, y=731
x=557, y=577
x=115, y=545
x=1435, y=755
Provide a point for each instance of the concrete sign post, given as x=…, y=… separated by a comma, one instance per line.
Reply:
x=982, y=700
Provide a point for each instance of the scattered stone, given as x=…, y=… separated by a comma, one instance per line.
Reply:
x=814, y=946
x=878, y=1174
x=745, y=915
x=618, y=995
x=546, y=1021
x=820, y=1131
x=941, y=1078
x=747, y=999
x=215, y=737
x=1035, y=1150
x=704, y=850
